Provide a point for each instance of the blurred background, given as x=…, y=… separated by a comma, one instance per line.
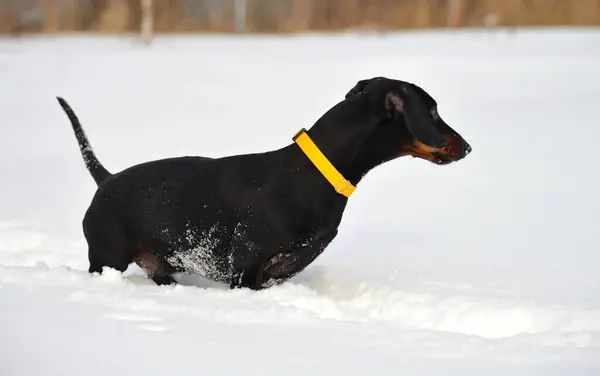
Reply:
x=284, y=16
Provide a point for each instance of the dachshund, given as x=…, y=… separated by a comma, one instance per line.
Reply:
x=256, y=220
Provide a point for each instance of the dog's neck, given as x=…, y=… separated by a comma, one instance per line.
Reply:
x=364, y=162
x=341, y=134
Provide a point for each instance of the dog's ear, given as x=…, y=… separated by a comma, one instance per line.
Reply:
x=360, y=86
x=407, y=104
x=394, y=104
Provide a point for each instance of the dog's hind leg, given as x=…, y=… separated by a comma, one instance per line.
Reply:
x=157, y=267
x=100, y=256
x=108, y=243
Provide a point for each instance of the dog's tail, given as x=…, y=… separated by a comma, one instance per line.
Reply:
x=99, y=173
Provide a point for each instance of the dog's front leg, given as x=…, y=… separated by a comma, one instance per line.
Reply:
x=240, y=249
x=284, y=265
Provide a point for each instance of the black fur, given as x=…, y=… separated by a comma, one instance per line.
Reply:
x=99, y=173
x=257, y=219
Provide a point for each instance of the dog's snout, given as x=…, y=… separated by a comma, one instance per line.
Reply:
x=458, y=149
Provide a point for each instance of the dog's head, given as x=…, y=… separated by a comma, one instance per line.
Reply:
x=409, y=123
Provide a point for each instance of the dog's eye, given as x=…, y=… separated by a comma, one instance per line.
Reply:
x=434, y=113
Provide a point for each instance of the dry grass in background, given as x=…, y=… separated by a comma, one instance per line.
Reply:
x=116, y=16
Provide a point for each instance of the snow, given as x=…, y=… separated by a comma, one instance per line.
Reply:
x=486, y=266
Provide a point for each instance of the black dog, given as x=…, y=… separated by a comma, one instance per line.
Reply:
x=258, y=219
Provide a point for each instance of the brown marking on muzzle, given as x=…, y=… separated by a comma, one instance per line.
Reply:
x=418, y=149
x=453, y=149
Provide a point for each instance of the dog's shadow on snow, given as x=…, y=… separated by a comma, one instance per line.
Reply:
x=137, y=275
x=313, y=278
x=306, y=279
x=198, y=281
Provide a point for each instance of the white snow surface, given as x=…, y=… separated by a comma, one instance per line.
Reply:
x=488, y=266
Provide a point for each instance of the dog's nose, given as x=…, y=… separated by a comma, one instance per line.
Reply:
x=466, y=148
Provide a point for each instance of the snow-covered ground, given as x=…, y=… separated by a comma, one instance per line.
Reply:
x=488, y=266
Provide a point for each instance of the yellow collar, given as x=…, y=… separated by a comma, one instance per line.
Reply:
x=337, y=180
